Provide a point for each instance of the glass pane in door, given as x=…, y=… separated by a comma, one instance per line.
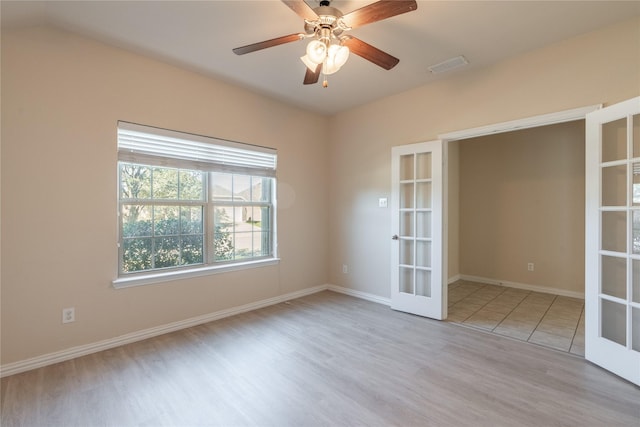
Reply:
x=614, y=276
x=635, y=290
x=406, y=252
x=614, y=231
x=423, y=253
x=614, y=185
x=423, y=283
x=406, y=224
x=423, y=224
x=614, y=140
x=635, y=194
x=406, y=167
x=613, y=322
x=423, y=166
x=423, y=195
x=636, y=135
x=406, y=195
x=635, y=247
x=406, y=280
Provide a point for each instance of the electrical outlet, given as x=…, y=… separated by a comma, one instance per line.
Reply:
x=345, y=269
x=530, y=266
x=68, y=315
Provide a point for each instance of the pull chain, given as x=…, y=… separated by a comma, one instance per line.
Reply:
x=325, y=83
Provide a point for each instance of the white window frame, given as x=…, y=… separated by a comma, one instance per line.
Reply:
x=151, y=146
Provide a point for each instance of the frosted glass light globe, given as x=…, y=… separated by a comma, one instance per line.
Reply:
x=336, y=58
x=316, y=51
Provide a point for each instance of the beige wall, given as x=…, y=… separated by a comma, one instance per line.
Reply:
x=598, y=67
x=62, y=96
x=522, y=201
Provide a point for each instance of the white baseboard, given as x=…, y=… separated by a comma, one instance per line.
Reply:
x=359, y=294
x=525, y=286
x=83, y=350
x=454, y=279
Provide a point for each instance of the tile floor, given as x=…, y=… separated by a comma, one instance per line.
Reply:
x=544, y=319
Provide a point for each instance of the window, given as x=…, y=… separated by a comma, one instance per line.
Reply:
x=192, y=203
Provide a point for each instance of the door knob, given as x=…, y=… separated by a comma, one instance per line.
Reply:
x=394, y=237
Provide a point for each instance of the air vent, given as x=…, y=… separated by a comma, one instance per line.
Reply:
x=448, y=65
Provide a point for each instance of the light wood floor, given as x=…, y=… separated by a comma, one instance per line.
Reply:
x=326, y=359
x=544, y=319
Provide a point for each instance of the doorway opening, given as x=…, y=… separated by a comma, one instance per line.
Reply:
x=515, y=237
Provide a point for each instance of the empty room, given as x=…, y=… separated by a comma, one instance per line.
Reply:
x=300, y=213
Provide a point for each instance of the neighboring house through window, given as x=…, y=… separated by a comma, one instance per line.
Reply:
x=189, y=203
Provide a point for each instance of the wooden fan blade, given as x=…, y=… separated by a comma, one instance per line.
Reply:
x=311, y=77
x=302, y=9
x=378, y=11
x=370, y=53
x=267, y=43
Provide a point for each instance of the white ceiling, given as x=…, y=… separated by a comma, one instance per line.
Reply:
x=199, y=35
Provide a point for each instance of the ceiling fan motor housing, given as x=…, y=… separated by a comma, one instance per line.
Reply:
x=329, y=18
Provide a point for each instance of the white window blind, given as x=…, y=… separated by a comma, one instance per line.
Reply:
x=163, y=147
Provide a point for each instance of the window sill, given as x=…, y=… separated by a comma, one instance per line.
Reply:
x=148, y=279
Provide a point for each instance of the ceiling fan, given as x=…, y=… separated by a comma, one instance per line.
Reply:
x=327, y=26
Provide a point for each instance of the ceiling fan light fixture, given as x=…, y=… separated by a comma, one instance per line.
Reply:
x=316, y=51
x=329, y=68
x=308, y=62
x=336, y=57
x=339, y=54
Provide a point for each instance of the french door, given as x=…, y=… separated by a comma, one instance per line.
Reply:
x=612, y=268
x=416, y=251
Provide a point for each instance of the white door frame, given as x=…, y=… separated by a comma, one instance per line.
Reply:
x=513, y=125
